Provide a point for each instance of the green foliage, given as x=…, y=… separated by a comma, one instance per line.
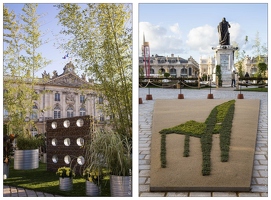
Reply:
x=218, y=121
x=190, y=127
x=41, y=180
x=166, y=74
x=186, y=146
x=163, y=151
x=111, y=150
x=225, y=134
x=8, y=146
x=101, y=37
x=219, y=74
x=65, y=172
x=28, y=143
x=262, y=69
x=22, y=39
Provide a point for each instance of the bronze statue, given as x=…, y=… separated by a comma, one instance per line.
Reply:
x=223, y=30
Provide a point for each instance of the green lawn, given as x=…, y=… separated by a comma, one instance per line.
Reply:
x=244, y=88
x=45, y=181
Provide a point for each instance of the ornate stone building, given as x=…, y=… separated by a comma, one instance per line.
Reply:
x=176, y=66
x=206, y=66
x=62, y=96
x=250, y=64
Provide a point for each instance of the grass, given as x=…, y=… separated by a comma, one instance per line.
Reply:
x=243, y=88
x=42, y=180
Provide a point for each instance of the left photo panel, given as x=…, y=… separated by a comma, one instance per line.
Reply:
x=67, y=99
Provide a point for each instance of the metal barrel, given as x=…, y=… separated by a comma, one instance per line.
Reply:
x=121, y=186
x=26, y=159
x=65, y=184
x=92, y=189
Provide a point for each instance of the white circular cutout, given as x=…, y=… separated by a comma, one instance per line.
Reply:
x=54, y=141
x=80, y=142
x=80, y=122
x=67, y=141
x=54, y=125
x=81, y=160
x=67, y=159
x=66, y=123
x=55, y=159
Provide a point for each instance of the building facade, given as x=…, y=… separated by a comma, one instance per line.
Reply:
x=175, y=66
x=62, y=96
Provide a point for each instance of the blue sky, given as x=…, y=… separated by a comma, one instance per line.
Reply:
x=182, y=29
x=50, y=30
x=190, y=29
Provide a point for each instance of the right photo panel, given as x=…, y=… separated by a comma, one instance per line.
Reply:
x=203, y=97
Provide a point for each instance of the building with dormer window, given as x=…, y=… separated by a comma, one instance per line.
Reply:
x=62, y=96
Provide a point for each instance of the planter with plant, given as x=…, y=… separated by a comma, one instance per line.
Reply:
x=65, y=175
x=94, y=179
x=26, y=155
x=113, y=151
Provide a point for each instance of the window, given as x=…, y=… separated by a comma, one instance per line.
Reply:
x=82, y=98
x=70, y=112
x=57, y=97
x=101, y=101
x=172, y=71
x=34, y=115
x=82, y=111
x=152, y=71
x=101, y=118
x=34, y=131
x=57, y=113
x=190, y=71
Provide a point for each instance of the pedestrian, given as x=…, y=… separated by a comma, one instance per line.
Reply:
x=247, y=76
x=233, y=78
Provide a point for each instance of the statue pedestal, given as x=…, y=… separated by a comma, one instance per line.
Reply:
x=224, y=55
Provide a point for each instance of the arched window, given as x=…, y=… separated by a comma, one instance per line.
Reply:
x=70, y=112
x=172, y=71
x=82, y=111
x=183, y=71
x=57, y=113
x=162, y=70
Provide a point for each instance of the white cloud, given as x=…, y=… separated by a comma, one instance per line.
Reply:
x=161, y=42
x=202, y=39
x=175, y=29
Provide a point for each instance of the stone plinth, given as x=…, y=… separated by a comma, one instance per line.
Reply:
x=224, y=55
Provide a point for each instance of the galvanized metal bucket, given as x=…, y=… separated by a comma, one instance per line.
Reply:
x=65, y=184
x=121, y=186
x=26, y=159
x=92, y=189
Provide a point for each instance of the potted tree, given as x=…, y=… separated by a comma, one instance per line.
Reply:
x=113, y=151
x=65, y=175
x=26, y=155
